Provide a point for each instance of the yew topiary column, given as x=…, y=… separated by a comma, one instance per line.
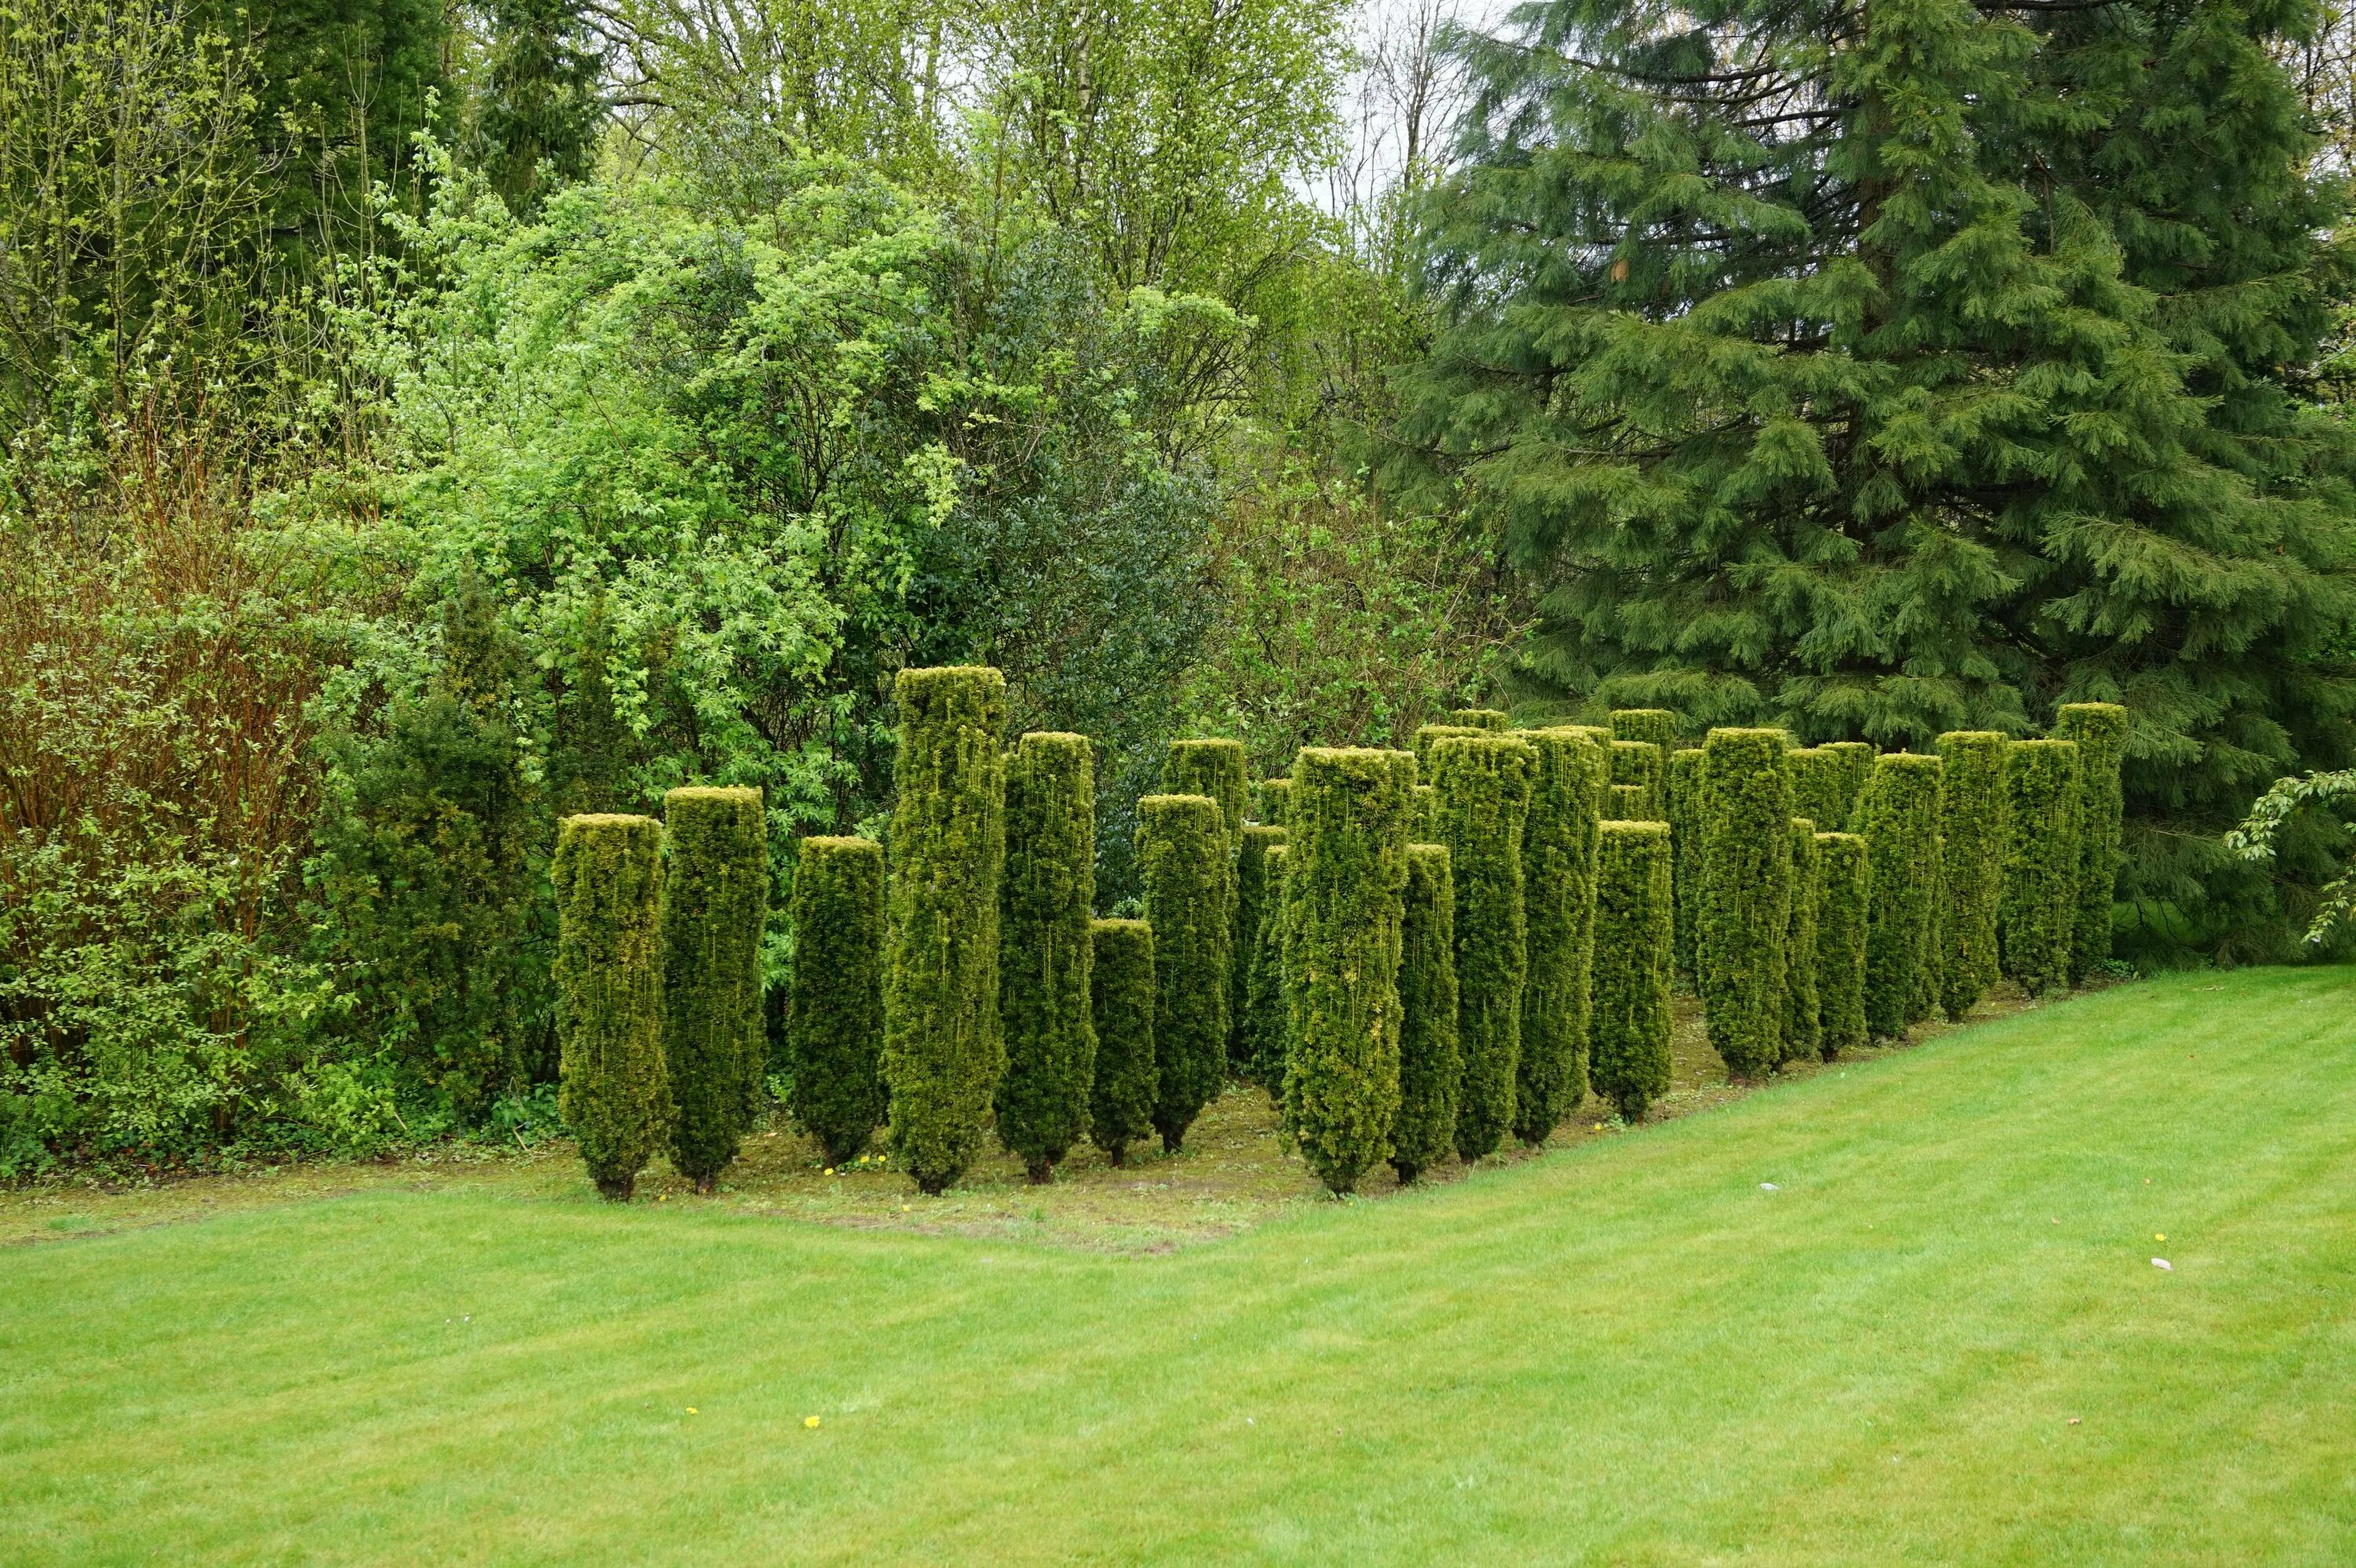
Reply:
x=943, y=1048
x=1271, y=1017
x=1272, y=794
x=1803, y=1021
x=715, y=904
x=2100, y=729
x=1121, y=990
x=1425, y=813
x=1685, y=815
x=1431, y=1065
x=1567, y=786
x=1900, y=823
x=1484, y=793
x=1652, y=726
x=1819, y=787
x=1972, y=813
x=1346, y=860
x=1181, y=852
x=1216, y=768
x=1255, y=898
x=1430, y=735
x=1841, y=917
x=1044, y=949
x=1642, y=769
x=1488, y=719
x=1628, y=1057
x=1746, y=896
x=1627, y=803
x=609, y=974
x=2040, y=873
x=834, y=1028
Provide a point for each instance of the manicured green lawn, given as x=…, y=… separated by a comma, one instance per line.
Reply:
x=1628, y=1351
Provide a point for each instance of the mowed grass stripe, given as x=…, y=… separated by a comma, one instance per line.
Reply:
x=1625, y=1353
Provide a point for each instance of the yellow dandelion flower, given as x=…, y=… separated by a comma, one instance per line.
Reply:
x=809, y=1420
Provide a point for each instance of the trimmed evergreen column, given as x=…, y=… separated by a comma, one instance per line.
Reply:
x=1559, y=906
x=1818, y=788
x=1346, y=857
x=1627, y=803
x=715, y=904
x=943, y=1048
x=2041, y=874
x=1430, y=735
x=1652, y=726
x=834, y=1031
x=1972, y=813
x=609, y=974
x=1255, y=898
x=1272, y=1026
x=1640, y=768
x=1684, y=853
x=1431, y=1067
x=1044, y=949
x=1425, y=813
x=1484, y=793
x=1841, y=916
x=1121, y=1010
x=1900, y=823
x=1803, y=1021
x=1182, y=851
x=1487, y=720
x=1629, y=1061
x=1216, y=768
x=2100, y=729
x=1746, y=896
x=1272, y=794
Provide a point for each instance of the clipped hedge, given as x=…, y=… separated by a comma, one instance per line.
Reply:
x=1430, y=735
x=1181, y=852
x=608, y=973
x=1120, y=1013
x=1627, y=803
x=1629, y=1027
x=2100, y=729
x=1841, y=918
x=1346, y=858
x=1803, y=1022
x=1973, y=818
x=1652, y=726
x=1643, y=768
x=1272, y=795
x=1746, y=896
x=1900, y=823
x=2040, y=913
x=834, y=1028
x=1487, y=720
x=1484, y=793
x=1432, y=1064
x=1216, y=768
x=1044, y=951
x=1270, y=1019
x=942, y=1050
x=1255, y=901
x=715, y=903
x=1828, y=782
x=1558, y=832
x=1425, y=813
x=1685, y=814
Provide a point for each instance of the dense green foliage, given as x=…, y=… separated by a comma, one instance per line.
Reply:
x=1628, y=802
x=1643, y=768
x=1182, y=855
x=833, y=1053
x=1272, y=794
x=716, y=904
x=609, y=1000
x=943, y=1048
x=1424, y=816
x=1825, y=785
x=1430, y=735
x=2256, y=839
x=1045, y=898
x=1346, y=861
x=1491, y=720
x=1271, y=1015
x=1567, y=785
x=1746, y=896
x=1890, y=371
x=1430, y=1062
x=1802, y=1017
x=1629, y=1059
x=1685, y=814
x=1216, y=768
x=2040, y=912
x=1484, y=783
x=1899, y=820
x=1121, y=1011
x=2100, y=730
x=1654, y=726
x=1844, y=914
x=1973, y=835
x=1256, y=895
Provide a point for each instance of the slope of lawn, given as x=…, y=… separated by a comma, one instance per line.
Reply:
x=1940, y=1337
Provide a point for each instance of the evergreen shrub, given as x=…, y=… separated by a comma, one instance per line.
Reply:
x=1746, y=896
x=1803, y=1022
x=1973, y=815
x=1272, y=794
x=608, y=972
x=1898, y=820
x=1271, y=1018
x=1628, y=802
x=1558, y=832
x=1181, y=852
x=834, y=1028
x=1644, y=768
x=1121, y=1008
x=1841, y=919
x=1431, y=1065
x=2100, y=729
x=1346, y=858
x=1426, y=813
x=1484, y=782
x=1488, y=719
x=2040, y=913
x=1255, y=898
x=1652, y=726
x=716, y=904
x=1685, y=793
x=1216, y=768
x=1629, y=1056
x=1044, y=949
x=1817, y=786
x=1430, y=735
x=943, y=1048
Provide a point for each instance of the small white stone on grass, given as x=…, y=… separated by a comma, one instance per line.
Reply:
x=2163, y=1263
